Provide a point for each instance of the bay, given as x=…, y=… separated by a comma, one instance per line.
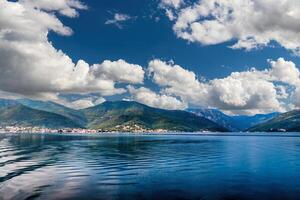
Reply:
x=171, y=166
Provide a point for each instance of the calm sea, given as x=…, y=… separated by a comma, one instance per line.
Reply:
x=35, y=166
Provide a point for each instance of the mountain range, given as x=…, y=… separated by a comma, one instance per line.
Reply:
x=289, y=122
x=113, y=115
x=105, y=116
x=233, y=123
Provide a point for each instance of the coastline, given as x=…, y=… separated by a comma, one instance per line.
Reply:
x=13, y=130
x=116, y=130
x=168, y=133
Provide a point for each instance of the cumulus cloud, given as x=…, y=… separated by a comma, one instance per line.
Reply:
x=31, y=66
x=118, y=19
x=64, y=7
x=247, y=92
x=176, y=80
x=251, y=23
x=285, y=71
x=150, y=98
x=243, y=92
x=119, y=71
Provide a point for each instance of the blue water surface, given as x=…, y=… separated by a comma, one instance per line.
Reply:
x=45, y=166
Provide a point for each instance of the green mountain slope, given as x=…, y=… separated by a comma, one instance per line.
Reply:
x=48, y=106
x=111, y=114
x=289, y=122
x=108, y=116
x=20, y=115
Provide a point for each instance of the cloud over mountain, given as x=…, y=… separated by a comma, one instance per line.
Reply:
x=245, y=92
x=150, y=98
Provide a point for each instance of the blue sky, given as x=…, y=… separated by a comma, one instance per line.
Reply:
x=175, y=53
x=142, y=39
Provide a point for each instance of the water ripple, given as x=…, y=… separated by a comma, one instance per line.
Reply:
x=149, y=167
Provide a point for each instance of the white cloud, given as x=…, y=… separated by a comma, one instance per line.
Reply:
x=118, y=19
x=247, y=92
x=251, y=23
x=81, y=104
x=84, y=103
x=296, y=98
x=119, y=71
x=150, y=98
x=243, y=92
x=170, y=6
x=64, y=7
x=171, y=3
x=177, y=80
x=285, y=71
x=31, y=66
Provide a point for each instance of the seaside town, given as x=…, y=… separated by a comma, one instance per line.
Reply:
x=119, y=128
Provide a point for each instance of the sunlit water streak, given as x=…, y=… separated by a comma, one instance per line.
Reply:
x=34, y=166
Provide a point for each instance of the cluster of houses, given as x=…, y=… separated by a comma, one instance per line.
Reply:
x=119, y=128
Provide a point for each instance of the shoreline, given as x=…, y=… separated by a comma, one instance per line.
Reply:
x=117, y=134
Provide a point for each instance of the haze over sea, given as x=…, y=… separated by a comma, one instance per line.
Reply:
x=41, y=166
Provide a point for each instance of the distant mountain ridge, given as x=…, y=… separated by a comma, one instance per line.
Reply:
x=233, y=123
x=289, y=122
x=108, y=116
x=111, y=115
x=215, y=116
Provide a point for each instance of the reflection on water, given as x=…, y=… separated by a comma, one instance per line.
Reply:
x=149, y=167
